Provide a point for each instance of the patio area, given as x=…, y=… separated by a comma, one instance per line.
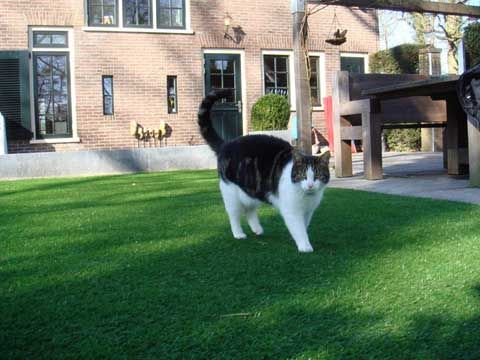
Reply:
x=411, y=174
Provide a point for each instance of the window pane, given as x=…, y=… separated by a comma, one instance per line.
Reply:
x=229, y=81
x=281, y=64
x=164, y=3
x=107, y=84
x=144, y=13
x=108, y=15
x=52, y=94
x=59, y=39
x=217, y=66
x=268, y=63
x=48, y=39
x=41, y=39
x=276, y=74
x=315, y=97
x=137, y=12
x=177, y=18
x=229, y=67
x=313, y=79
x=95, y=15
x=59, y=65
x=270, y=79
x=164, y=18
x=313, y=63
x=108, y=105
x=102, y=12
x=216, y=81
x=172, y=94
x=43, y=65
x=352, y=64
x=282, y=80
x=177, y=4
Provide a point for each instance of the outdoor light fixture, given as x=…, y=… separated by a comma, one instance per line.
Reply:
x=227, y=21
x=238, y=33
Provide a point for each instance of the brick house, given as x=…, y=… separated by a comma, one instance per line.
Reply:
x=75, y=73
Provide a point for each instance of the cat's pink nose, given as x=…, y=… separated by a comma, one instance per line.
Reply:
x=310, y=186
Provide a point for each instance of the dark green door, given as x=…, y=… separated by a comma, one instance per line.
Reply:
x=222, y=71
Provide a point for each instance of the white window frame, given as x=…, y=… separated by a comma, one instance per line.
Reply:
x=243, y=70
x=120, y=28
x=73, y=96
x=291, y=74
x=323, y=82
x=358, y=55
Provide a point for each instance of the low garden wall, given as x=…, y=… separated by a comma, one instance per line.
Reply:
x=100, y=162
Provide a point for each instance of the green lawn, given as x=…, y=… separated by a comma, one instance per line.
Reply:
x=144, y=267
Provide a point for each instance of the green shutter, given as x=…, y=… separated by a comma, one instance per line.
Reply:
x=15, y=94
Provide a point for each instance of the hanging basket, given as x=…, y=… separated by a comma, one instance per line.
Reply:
x=337, y=41
x=339, y=36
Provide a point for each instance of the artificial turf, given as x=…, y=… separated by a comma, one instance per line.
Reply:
x=144, y=267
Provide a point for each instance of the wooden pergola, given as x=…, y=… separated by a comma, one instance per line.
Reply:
x=299, y=9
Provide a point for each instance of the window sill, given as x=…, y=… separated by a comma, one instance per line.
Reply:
x=318, y=108
x=138, y=30
x=56, y=141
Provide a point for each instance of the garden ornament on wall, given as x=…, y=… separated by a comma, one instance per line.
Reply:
x=146, y=135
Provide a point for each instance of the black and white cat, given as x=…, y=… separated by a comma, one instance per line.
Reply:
x=260, y=168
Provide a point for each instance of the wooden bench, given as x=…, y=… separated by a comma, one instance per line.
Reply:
x=359, y=117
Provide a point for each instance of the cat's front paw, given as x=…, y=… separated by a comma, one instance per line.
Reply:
x=240, y=236
x=307, y=248
x=258, y=231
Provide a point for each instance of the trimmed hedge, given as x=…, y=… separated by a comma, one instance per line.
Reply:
x=403, y=139
x=471, y=39
x=271, y=112
x=401, y=59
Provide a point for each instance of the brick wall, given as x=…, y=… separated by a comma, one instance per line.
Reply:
x=140, y=62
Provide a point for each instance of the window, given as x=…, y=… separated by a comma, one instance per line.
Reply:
x=107, y=86
x=171, y=14
x=172, y=94
x=315, y=81
x=50, y=39
x=51, y=84
x=102, y=12
x=137, y=13
x=276, y=74
x=52, y=94
x=354, y=63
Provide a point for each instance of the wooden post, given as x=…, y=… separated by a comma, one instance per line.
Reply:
x=453, y=162
x=302, y=83
x=474, y=151
x=372, y=142
x=342, y=149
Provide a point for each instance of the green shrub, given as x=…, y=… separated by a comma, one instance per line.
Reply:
x=472, y=43
x=271, y=112
x=401, y=59
x=403, y=139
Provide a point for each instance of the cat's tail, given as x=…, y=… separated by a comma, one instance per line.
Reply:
x=205, y=121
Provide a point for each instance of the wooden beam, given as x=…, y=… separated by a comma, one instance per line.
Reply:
x=474, y=152
x=419, y=6
x=302, y=82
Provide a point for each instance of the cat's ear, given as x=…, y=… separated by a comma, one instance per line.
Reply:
x=325, y=158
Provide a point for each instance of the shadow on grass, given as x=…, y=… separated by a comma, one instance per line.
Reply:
x=161, y=278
